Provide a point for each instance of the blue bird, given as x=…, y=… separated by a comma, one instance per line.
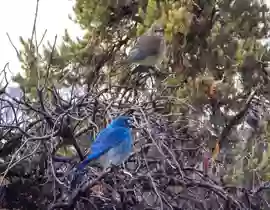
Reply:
x=113, y=145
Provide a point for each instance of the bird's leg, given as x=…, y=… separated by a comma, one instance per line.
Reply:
x=124, y=171
x=114, y=168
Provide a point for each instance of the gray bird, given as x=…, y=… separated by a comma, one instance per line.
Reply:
x=150, y=48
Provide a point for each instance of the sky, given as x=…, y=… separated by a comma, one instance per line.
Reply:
x=17, y=17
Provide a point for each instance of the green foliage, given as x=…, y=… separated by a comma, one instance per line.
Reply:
x=208, y=45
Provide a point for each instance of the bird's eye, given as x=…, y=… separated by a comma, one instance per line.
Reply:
x=128, y=122
x=159, y=30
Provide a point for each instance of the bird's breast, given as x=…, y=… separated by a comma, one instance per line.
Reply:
x=116, y=155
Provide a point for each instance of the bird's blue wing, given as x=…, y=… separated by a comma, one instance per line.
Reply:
x=137, y=55
x=106, y=139
x=149, y=44
x=145, y=46
x=119, y=153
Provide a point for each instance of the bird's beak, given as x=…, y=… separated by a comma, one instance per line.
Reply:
x=131, y=123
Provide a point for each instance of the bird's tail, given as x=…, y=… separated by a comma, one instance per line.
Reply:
x=88, y=159
x=82, y=165
x=78, y=171
x=77, y=177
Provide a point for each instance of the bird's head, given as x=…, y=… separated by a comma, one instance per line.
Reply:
x=122, y=121
x=157, y=29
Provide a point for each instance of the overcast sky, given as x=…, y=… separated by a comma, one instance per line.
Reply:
x=17, y=16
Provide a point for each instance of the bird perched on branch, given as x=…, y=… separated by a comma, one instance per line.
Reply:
x=149, y=49
x=112, y=145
